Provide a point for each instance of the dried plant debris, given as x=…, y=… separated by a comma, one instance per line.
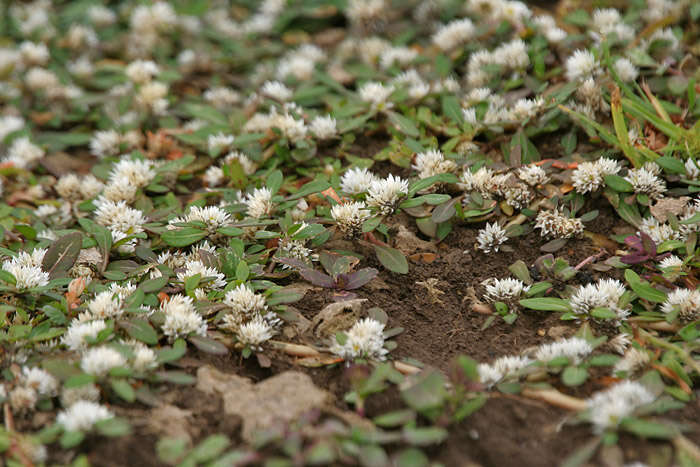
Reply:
x=247, y=207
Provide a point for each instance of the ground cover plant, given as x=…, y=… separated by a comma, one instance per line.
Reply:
x=350, y=232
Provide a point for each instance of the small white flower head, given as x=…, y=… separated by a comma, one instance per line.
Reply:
x=365, y=339
x=606, y=293
x=502, y=368
x=620, y=343
x=141, y=71
x=626, y=70
x=686, y=302
x=276, y=90
x=356, y=180
x=219, y=141
x=210, y=278
x=634, y=359
x=349, y=217
x=152, y=97
x=259, y=203
x=574, y=349
x=645, y=181
x=213, y=216
x=136, y=172
x=26, y=268
x=181, y=318
x=692, y=169
x=525, y=108
x=384, y=195
x=249, y=167
x=144, y=358
x=22, y=398
x=581, y=65
x=533, y=175
x=376, y=94
x=10, y=124
x=609, y=407
x=214, y=176
x=245, y=302
x=82, y=416
x=105, y=143
x=512, y=55
x=587, y=177
x=400, y=55
x=432, y=162
x=119, y=217
x=254, y=333
x=323, y=127
x=470, y=116
x=34, y=53
x=76, y=336
x=23, y=153
x=40, y=381
x=481, y=181
x=491, y=237
x=100, y=360
x=293, y=249
x=556, y=225
x=101, y=16
x=672, y=262
x=105, y=305
x=659, y=232
x=221, y=97
x=453, y=34
x=508, y=289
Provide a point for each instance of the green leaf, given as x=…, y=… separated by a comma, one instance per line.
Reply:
x=274, y=181
x=618, y=184
x=648, y=429
x=392, y=259
x=427, y=393
x=424, y=436
x=643, y=289
x=546, y=304
x=583, y=454
x=123, y=389
x=71, y=439
x=208, y=345
x=445, y=211
x=6, y=276
x=175, y=377
x=574, y=376
x=452, y=109
x=113, y=427
x=183, y=236
x=412, y=457
x=209, y=449
x=671, y=164
x=141, y=330
x=313, y=186
x=61, y=256
x=394, y=419
x=406, y=125
x=603, y=313
x=169, y=354
x=153, y=285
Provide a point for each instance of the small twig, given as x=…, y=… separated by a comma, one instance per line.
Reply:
x=683, y=443
x=556, y=398
x=588, y=260
x=295, y=349
x=406, y=369
x=9, y=421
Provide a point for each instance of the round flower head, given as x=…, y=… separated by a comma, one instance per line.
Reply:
x=573, y=348
x=356, y=180
x=609, y=407
x=491, y=237
x=504, y=289
x=384, y=195
x=580, y=65
x=686, y=302
x=259, y=203
x=502, y=368
x=82, y=416
x=244, y=301
x=556, y=225
x=376, y=94
x=181, y=318
x=349, y=217
x=254, y=333
x=364, y=340
x=100, y=360
x=324, y=127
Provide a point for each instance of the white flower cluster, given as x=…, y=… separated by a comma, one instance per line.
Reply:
x=214, y=175
x=589, y=176
x=548, y=27
x=574, y=349
x=82, y=416
x=453, y=34
x=511, y=56
x=291, y=127
x=357, y=180
x=323, y=127
x=32, y=385
x=491, y=237
x=259, y=203
x=580, y=65
x=606, y=293
x=22, y=153
x=645, y=180
x=609, y=407
x=376, y=94
x=99, y=361
x=349, y=217
x=634, y=359
x=385, y=194
x=248, y=317
x=210, y=277
x=515, y=193
x=181, y=317
x=72, y=187
x=533, y=175
x=508, y=289
x=212, y=216
x=26, y=268
x=365, y=339
x=75, y=337
x=502, y=368
x=432, y=162
x=555, y=224
x=120, y=219
x=686, y=302
x=300, y=62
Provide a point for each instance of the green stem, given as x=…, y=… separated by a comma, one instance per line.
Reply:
x=667, y=345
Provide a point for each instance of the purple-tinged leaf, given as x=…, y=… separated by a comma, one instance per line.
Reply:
x=318, y=278
x=634, y=259
x=649, y=245
x=293, y=262
x=357, y=279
